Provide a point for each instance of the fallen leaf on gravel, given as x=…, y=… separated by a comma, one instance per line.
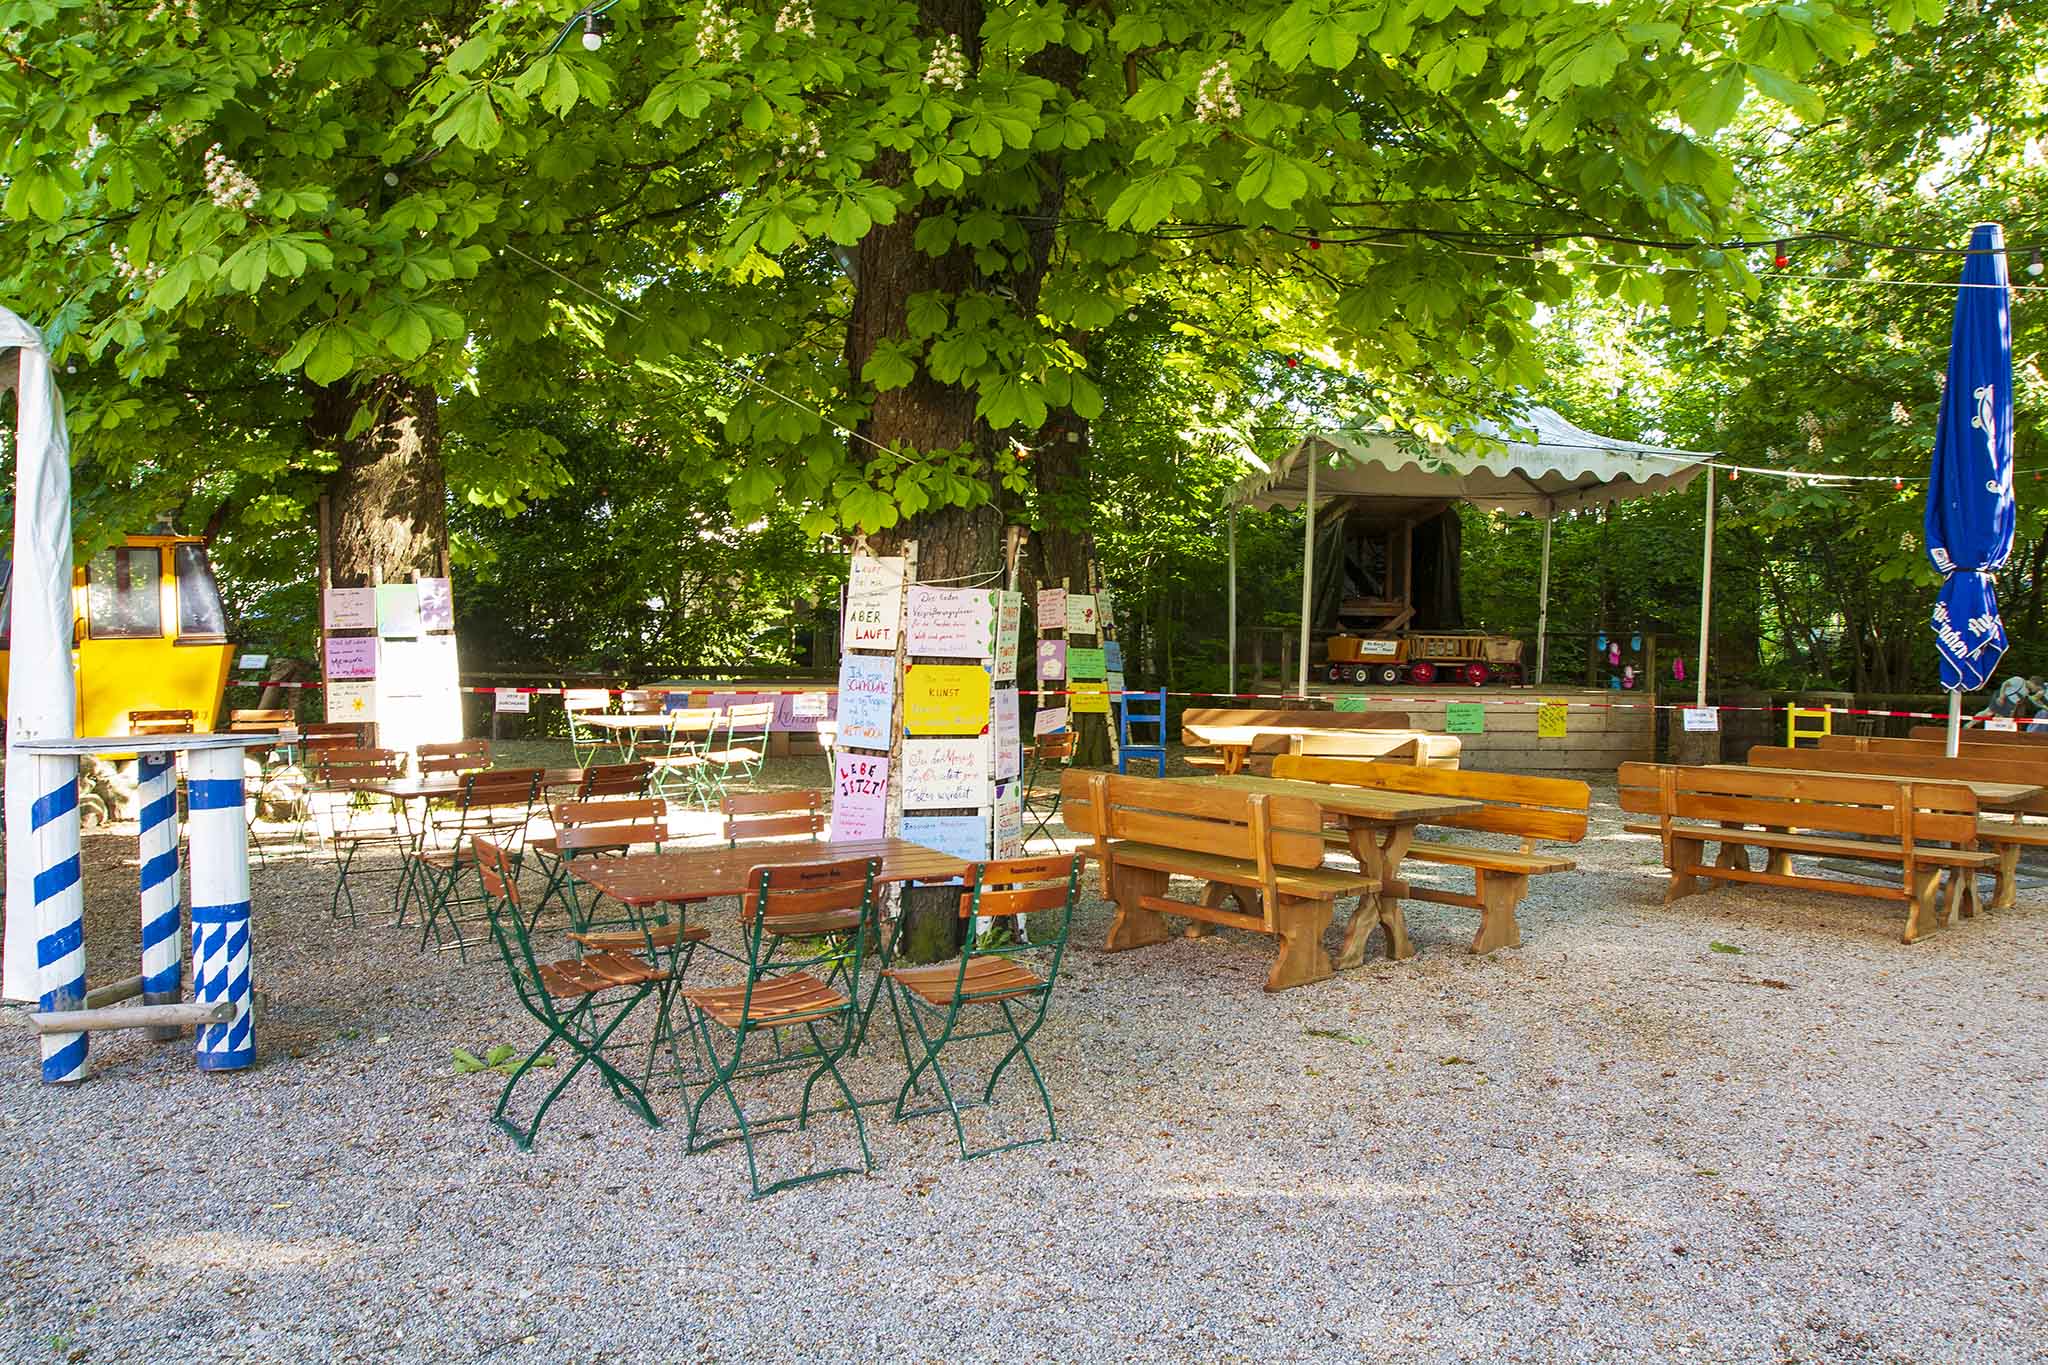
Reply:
x=1457, y=1061
x=1724, y=947
x=1356, y=1039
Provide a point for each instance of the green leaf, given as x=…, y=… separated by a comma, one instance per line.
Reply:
x=473, y=119
x=333, y=356
x=888, y=368
x=1333, y=46
x=926, y=314
x=404, y=329
x=1273, y=178
x=467, y=1061
x=850, y=221
x=1713, y=102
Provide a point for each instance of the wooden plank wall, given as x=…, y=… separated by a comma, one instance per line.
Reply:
x=1596, y=741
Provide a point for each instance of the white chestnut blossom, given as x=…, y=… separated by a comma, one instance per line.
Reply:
x=1216, y=95
x=718, y=37
x=947, y=69
x=227, y=184
x=796, y=17
x=1901, y=416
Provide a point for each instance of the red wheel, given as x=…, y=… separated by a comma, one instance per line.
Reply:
x=1477, y=674
x=1334, y=673
x=1422, y=675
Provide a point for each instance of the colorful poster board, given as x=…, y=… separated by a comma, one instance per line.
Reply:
x=1081, y=614
x=1050, y=720
x=351, y=609
x=1091, y=665
x=437, y=604
x=867, y=700
x=1088, y=698
x=952, y=623
x=512, y=701
x=1550, y=718
x=941, y=774
x=398, y=611
x=351, y=656
x=860, y=795
x=1009, y=756
x=874, y=602
x=1115, y=683
x=1052, y=609
x=945, y=699
x=351, y=702
x=1009, y=625
x=963, y=836
x=1464, y=718
x=1052, y=660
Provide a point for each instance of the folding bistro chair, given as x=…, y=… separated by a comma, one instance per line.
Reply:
x=740, y=756
x=584, y=740
x=1049, y=753
x=346, y=778
x=581, y=1001
x=609, y=782
x=772, y=815
x=320, y=736
x=496, y=804
x=786, y=995
x=585, y=830
x=992, y=981
x=1146, y=709
x=682, y=766
x=270, y=762
x=453, y=757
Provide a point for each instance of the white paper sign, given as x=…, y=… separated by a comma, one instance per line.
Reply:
x=1052, y=660
x=867, y=700
x=860, y=796
x=810, y=705
x=963, y=836
x=351, y=608
x=513, y=701
x=952, y=623
x=1052, y=609
x=1115, y=683
x=1102, y=617
x=1009, y=822
x=1009, y=625
x=1702, y=719
x=1080, y=614
x=941, y=774
x=253, y=661
x=351, y=702
x=2011, y=723
x=437, y=604
x=874, y=603
x=1050, y=720
x=1009, y=751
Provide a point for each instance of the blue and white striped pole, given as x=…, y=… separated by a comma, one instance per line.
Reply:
x=220, y=905
x=163, y=947
x=60, y=909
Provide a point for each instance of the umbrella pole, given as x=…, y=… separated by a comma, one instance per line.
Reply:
x=1543, y=602
x=1308, y=565
x=1706, y=594
x=1233, y=599
x=1955, y=720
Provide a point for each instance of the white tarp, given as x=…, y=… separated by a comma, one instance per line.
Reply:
x=1541, y=465
x=41, y=693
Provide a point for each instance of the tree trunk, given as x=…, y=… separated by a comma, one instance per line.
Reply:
x=390, y=495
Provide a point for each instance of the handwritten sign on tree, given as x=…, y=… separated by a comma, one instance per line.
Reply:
x=874, y=603
x=945, y=699
x=867, y=700
x=860, y=796
x=941, y=774
x=953, y=623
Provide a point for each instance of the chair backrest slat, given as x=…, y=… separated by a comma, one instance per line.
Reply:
x=772, y=815
x=601, y=826
x=614, y=779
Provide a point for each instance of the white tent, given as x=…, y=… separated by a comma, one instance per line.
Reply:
x=41, y=699
x=1540, y=465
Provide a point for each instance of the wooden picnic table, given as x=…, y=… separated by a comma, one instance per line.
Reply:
x=1234, y=742
x=1380, y=825
x=679, y=876
x=1993, y=796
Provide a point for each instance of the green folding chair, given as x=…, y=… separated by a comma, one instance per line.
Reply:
x=612, y=782
x=786, y=904
x=587, y=741
x=581, y=1001
x=993, y=988
x=682, y=764
x=359, y=819
x=497, y=804
x=740, y=756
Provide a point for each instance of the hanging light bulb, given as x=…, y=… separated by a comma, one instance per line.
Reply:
x=593, y=32
x=1897, y=483
x=1781, y=260
x=2034, y=266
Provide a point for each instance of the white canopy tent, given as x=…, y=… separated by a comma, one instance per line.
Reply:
x=40, y=689
x=1540, y=465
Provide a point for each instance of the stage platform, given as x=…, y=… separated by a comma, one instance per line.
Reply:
x=1603, y=728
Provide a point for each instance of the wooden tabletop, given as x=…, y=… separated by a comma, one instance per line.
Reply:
x=1990, y=795
x=1363, y=803
x=417, y=788
x=1246, y=734
x=695, y=874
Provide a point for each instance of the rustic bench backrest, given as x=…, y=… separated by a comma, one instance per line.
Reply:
x=1525, y=807
x=2012, y=739
x=1277, y=744
x=1872, y=806
x=1194, y=817
x=2031, y=772
x=1970, y=748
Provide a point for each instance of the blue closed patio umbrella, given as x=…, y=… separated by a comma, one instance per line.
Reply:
x=1969, y=516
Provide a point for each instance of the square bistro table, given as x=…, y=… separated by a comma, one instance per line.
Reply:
x=1379, y=825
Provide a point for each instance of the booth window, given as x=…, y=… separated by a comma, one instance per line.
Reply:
x=124, y=593
x=200, y=616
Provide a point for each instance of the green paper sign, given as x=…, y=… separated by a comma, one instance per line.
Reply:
x=1465, y=718
x=1348, y=704
x=1092, y=664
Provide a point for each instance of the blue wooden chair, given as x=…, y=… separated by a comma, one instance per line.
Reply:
x=1144, y=709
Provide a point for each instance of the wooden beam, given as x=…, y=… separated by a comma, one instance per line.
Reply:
x=187, y=1014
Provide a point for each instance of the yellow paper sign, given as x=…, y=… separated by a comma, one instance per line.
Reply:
x=1090, y=698
x=945, y=699
x=1550, y=714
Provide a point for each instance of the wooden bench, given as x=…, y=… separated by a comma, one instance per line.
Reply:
x=1147, y=831
x=1925, y=829
x=1928, y=763
x=1258, y=751
x=1417, y=748
x=2021, y=738
x=1530, y=809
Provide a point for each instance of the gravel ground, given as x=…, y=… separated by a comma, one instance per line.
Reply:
x=1619, y=1142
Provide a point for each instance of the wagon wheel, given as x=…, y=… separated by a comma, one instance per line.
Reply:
x=1477, y=674
x=1422, y=674
x=1389, y=673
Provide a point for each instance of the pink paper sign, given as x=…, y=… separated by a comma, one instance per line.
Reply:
x=351, y=656
x=860, y=796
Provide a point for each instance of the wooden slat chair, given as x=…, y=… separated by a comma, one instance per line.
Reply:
x=785, y=995
x=1148, y=711
x=453, y=757
x=1531, y=809
x=581, y=1001
x=496, y=804
x=1050, y=755
x=270, y=760
x=613, y=829
x=681, y=759
x=612, y=781
x=753, y=816
x=319, y=736
x=1008, y=983
x=1147, y=830
x=743, y=751
x=358, y=819
x=1923, y=828
x=584, y=741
